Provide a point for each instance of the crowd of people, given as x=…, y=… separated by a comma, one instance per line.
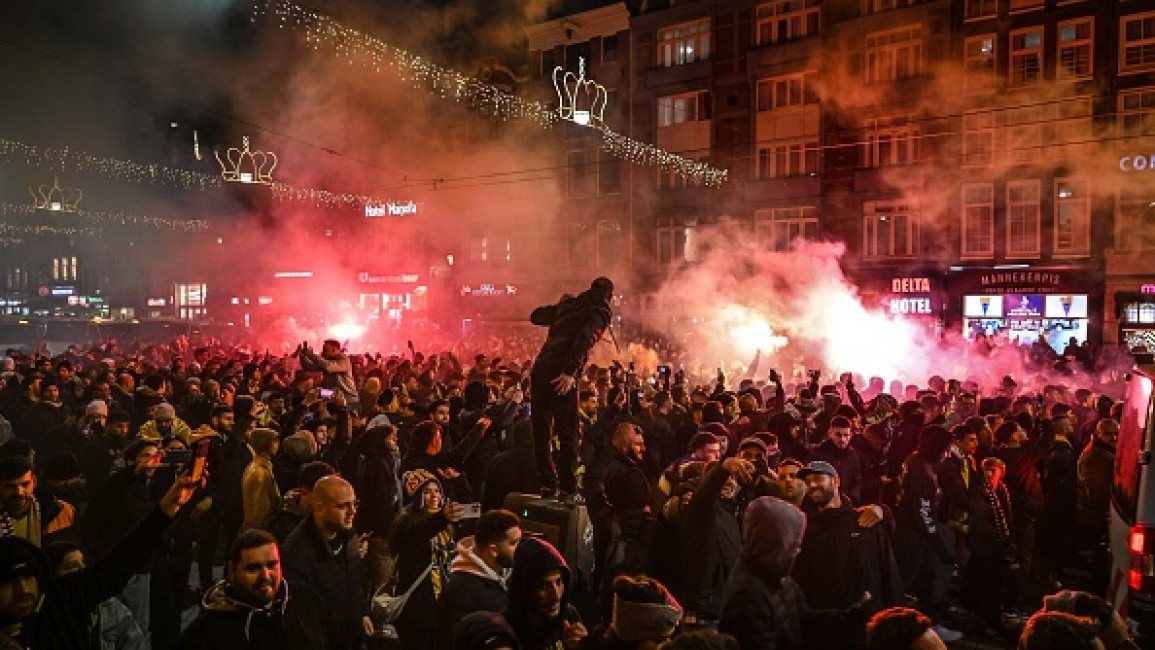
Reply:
x=358, y=499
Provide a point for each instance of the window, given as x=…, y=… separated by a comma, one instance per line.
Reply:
x=778, y=228
x=609, y=242
x=548, y=63
x=982, y=8
x=1075, y=47
x=1137, y=112
x=190, y=300
x=1138, y=43
x=979, y=54
x=578, y=174
x=787, y=20
x=1072, y=217
x=609, y=48
x=668, y=179
x=684, y=43
x=582, y=245
x=609, y=173
x=1061, y=128
x=64, y=269
x=890, y=230
x=978, y=220
x=894, y=54
x=1023, y=5
x=978, y=139
x=1135, y=225
x=782, y=92
x=887, y=5
x=890, y=141
x=790, y=157
x=675, y=241
x=679, y=109
x=1026, y=56
x=1023, y=219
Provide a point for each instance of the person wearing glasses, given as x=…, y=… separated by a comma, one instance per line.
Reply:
x=324, y=553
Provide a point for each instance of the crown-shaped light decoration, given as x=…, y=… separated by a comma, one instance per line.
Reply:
x=246, y=166
x=55, y=198
x=580, y=100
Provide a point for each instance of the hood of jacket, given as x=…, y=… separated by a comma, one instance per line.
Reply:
x=533, y=559
x=772, y=531
x=218, y=601
x=467, y=561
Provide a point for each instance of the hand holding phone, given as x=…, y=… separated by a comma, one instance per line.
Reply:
x=200, y=459
x=470, y=510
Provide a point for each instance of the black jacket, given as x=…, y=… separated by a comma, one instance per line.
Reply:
x=126, y=498
x=846, y=462
x=337, y=577
x=533, y=559
x=575, y=325
x=711, y=543
x=297, y=619
x=61, y=622
x=473, y=587
x=920, y=499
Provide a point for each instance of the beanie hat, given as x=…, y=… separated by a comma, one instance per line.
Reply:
x=299, y=446
x=414, y=483
x=644, y=610
x=96, y=407
x=262, y=440
x=753, y=441
x=21, y=558
x=165, y=411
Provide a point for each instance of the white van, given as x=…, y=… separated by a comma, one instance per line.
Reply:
x=1132, y=588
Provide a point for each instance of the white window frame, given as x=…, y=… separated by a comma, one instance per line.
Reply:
x=1073, y=196
x=785, y=91
x=887, y=138
x=875, y=213
x=1035, y=207
x=976, y=9
x=1073, y=47
x=1137, y=109
x=684, y=43
x=1134, y=231
x=1021, y=57
x=978, y=219
x=789, y=157
x=980, y=65
x=787, y=20
x=883, y=50
x=682, y=108
x=680, y=234
x=978, y=129
x=776, y=229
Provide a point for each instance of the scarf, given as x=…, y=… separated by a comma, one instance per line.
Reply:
x=999, y=500
x=8, y=527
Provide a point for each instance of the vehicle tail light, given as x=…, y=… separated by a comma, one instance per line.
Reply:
x=1141, y=544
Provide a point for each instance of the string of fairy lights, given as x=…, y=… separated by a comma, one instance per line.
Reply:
x=358, y=47
x=108, y=218
x=70, y=159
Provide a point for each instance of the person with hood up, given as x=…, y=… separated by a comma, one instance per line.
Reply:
x=575, y=325
x=424, y=537
x=253, y=607
x=477, y=576
x=645, y=614
x=764, y=606
x=377, y=479
x=539, y=599
x=923, y=544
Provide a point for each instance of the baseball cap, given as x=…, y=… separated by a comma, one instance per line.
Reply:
x=21, y=559
x=818, y=467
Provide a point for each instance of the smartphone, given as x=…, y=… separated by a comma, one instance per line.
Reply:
x=200, y=458
x=178, y=458
x=663, y=370
x=472, y=511
x=326, y=393
x=761, y=468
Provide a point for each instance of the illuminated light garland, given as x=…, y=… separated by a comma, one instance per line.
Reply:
x=10, y=242
x=13, y=229
x=68, y=159
x=375, y=53
x=113, y=218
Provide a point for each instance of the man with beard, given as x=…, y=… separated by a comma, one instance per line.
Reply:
x=252, y=608
x=838, y=452
x=1096, y=470
x=477, y=577
x=575, y=325
x=26, y=514
x=622, y=521
x=841, y=560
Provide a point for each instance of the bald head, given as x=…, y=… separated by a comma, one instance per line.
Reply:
x=334, y=505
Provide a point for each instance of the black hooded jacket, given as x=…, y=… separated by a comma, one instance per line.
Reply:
x=533, y=559
x=574, y=326
x=296, y=621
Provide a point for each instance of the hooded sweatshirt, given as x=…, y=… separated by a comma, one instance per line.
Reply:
x=473, y=587
x=574, y=326
x=295, y=622
x=533, y=559
x=764, y=606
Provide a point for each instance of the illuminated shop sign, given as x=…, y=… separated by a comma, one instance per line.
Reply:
x=391, y=209
x=488, y=290
x=63, y=291
x=156, y=302
x=293, y=274
x=1147, y=289
x=397, y=278
x=910, y=285
x=903, y=302
x=1137, y=163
